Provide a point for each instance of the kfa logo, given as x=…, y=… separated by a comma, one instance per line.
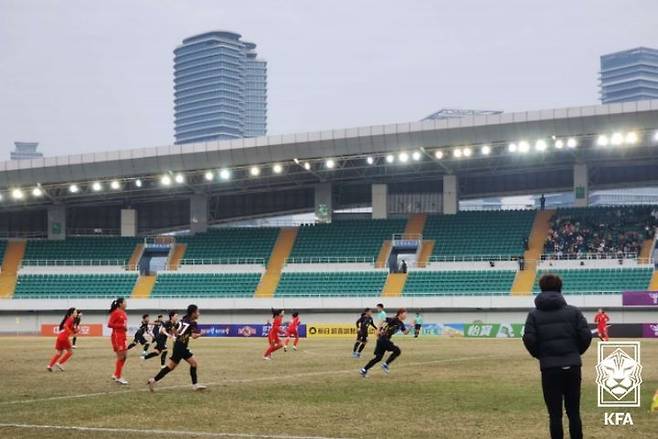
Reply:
x=619, y=374
x=618, y=419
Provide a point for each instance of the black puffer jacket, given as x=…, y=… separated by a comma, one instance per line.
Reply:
x=556, y=333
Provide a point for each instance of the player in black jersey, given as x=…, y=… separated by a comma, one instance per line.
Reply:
x=76, y=326
x=384, y=343
x=140, y=335
x=185, y=329
x=162, y=331
x=362, y=324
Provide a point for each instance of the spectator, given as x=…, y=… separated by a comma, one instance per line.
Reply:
x=542, y=202
x=403, y=266
x=557, y=335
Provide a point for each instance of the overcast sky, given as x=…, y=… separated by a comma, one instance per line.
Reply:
x=79, y=75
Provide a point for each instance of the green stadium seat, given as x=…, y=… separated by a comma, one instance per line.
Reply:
x=451, y=283
x=353, y=283
x=100, y=248
x=235, y=243
x=206, y=285
x=37, y=286
x=600, y=280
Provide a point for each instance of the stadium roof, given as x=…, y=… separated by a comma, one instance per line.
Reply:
x=532, y=144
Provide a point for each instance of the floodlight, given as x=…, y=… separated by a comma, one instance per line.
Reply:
x=277, y=168
x=138, y=183
x=254, y=171
x=486, y=150
x=330, y=164
x=616, y=139
x=403, y=157
x=179, y=178
x=225, y=174
x=631, y=138
x=209, y=176
x=17, y=194
x=512, y=147
x=602, y=140
x=467, y=152
x=114, y=184
x=438, y=154
x=457, y=153
x=96, y=186
x=416, y=155
x=540, y=145
x=370, y=160
x=307, y=166
x=390, y=158
x=524, y=146
x=559, y=144
x=165, y=180
x=572, y=142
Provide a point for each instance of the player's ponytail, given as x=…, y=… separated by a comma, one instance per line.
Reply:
x=115, y=304
x=276, y=312
x=68, y=314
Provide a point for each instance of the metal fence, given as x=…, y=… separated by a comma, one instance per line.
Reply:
x=331, y=260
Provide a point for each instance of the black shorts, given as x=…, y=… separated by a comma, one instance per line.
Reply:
x=362, y=337
x=384, y=345
x=417, y=327
x=181, y=352
x=161, y=343
x=139, y=338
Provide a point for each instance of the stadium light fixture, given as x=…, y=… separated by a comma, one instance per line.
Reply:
x=572, y=142
x=457, y=153
x=370, y=160
x=403, y=157
x=179, y=178
x=438, y=154
x=115, y=185
x=602, y=140
x=225, y=174
x=74, y=189
x=138, y=183
x=559, y=144
x=524, y=146
x=209, y=176
x=631, y=138
x=17, y=194
x=1, y=197
x=307, y=166
x=416, y=155
x=616, y=139
x=165, y=180
x=277, y=168
x=254, y=171
x=330, y=164
x=512, y=147
x=296, y=160
x=467, y=152
x=96, y=186
x=540, y=145
x=485, y=150
x=655, y=136
x=390, y=158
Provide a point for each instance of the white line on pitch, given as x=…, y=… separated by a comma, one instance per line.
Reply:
x=157, y=432
x=240, y=381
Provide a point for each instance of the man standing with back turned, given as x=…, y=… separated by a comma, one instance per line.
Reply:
x=557, y=335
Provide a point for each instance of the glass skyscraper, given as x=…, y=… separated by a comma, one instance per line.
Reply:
x=629, y=75
x=220, y=88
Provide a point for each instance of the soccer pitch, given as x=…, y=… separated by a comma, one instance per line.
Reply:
x=438, y=388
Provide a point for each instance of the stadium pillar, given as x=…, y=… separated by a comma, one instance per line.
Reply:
x=324, y=209
x=198, y=213
x=128, y=222
x=581, y=185
x=379, y=201
x=450, y=194
x=57, y=222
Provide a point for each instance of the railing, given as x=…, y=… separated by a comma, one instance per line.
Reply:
x=159, y=241
x=587, y=256
x=93, y=232
x=73, y=262
x=407, y=237
x=473, y=258
x=331, y=260
x=223, y=261
x=23, y=235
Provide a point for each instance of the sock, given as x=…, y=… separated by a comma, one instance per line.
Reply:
x=164, y=371
x=163, y=358
x=296, y=342
x=131, y=345
x=119, y=367
x=75, y=339
x=151, y=355
x=193, y=374
x=54, y=360
x=356, y=346
x=146, y=347
x=362, y=347
x=372, y=362
x=65, y=357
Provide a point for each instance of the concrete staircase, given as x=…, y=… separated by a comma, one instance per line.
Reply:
x=135, y=257
x=11, y=262
x=394, y=284
x=143, y=287
x=646, y=251
x=653, y=285
x=280, y=253
x=525, y=279
x=415, y=224
x=425, y=253
x=176, y=256
x=383, y=254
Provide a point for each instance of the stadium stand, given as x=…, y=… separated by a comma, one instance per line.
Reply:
x=430, y=283
x=235, y=244
x=36, y=286
x=600, y=280
x=115, y=250
x=344, y=239
x=356, y=283
x=205, y=285
x=601, y=231
x=495, y=233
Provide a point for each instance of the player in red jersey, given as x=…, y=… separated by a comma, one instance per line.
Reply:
x=601, y=319
x=118, y=322
x=63, y=348
x=292, y=331
x=273, y=335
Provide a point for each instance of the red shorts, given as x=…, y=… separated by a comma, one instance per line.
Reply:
x=602, y=329
x=292, y=333
x=274, y=339
x=119, y=341
x=63, y=344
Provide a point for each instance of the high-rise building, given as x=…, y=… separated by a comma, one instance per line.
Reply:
x=220, y=88
x=25, y=151
x=629, y=75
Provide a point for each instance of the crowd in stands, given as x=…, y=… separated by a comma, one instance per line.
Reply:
x=600, y=232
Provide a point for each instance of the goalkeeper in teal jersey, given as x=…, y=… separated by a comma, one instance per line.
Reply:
x=380, y=315
x=418, y=324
